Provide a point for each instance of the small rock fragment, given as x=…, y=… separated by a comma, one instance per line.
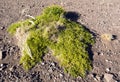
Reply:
x=3, y=66
x=108, y=61
x=108, y=69
x=100, y=53
x=50, y=70
x=12, y=68
x=61, y=75
x=95, y=77
x=98, y=78
x=79, y=78
x=108, y=37
x=1, y=55
x=2, y=27
x=53, y=64
x=109, y=77
x=42, y=63
x=25, y=11
x=73, y=81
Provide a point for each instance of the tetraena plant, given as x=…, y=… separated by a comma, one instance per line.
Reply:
x=67, y=40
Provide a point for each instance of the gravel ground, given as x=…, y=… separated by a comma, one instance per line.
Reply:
x=100, y=16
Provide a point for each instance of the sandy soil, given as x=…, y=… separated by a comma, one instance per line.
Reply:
x=100, y=16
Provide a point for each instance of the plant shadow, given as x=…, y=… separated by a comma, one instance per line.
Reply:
x=74, y=16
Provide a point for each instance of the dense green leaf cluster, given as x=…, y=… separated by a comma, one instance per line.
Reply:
x=67, y=40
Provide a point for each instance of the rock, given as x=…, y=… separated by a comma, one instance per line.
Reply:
x=50, y=70
x=1, y=69
x=25, y=11
x=12, y=68
x=63, y=81
x=42, y=63
x=119, y=73
x=108, y=69
x=108, y=61
x=73, y=81
x=109, y=78
x=100, y=53
x=3, y=66
x=95, y=77
x=1, y=55
x=53, y=64
x=108, y=37
x=61, y=75
x=49, y=76
x=98, y=78
x=2, y=27
x=79, y=78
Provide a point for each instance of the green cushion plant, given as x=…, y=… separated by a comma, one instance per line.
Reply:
x=51, y=31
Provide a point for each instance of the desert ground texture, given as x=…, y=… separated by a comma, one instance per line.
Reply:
x=102, y=17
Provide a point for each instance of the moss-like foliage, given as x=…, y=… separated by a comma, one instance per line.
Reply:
x=67, y=40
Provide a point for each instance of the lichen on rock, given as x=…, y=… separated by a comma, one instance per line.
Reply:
x=67, y=40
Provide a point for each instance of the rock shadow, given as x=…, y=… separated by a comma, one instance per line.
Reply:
x=4, y=54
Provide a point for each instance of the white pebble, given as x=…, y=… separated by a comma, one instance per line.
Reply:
x=107, y=69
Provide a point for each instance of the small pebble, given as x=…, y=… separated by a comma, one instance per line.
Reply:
x=49, y=77
x=2, y=27
x=53, y=64
x=119, y=74
x=73, y=81
x=61, y=75
x=109, y=78
x=11, y=68
x=42, y=63
x=1, y=55
x=100, y=53
x=97, y=78
x=3, y=66
x=108, y=37
x=50, y=70
x=25, y=11
x=108, y=69
x=63, y=81
x=79, y=78
x=106, y=60
x=1, y=69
